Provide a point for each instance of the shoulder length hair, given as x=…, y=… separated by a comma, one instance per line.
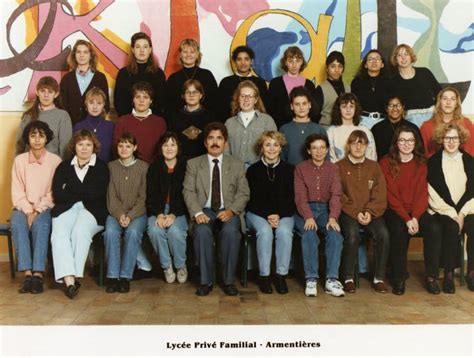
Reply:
x=394, y=159
x=71, y=59
x=44, y=82
x=235, y=105
x=152, y=65
x=336, y=116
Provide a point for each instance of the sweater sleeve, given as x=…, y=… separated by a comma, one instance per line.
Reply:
x=19, y=199
x=61, y=186
x=335, y=192
x=393, y=192
x=64, y=134
x=332, y=145
x=468, y=208
x=301, y=195
x=371, y=152
x=114, y=204
x=137, y=209
x=378, y=194
x=46, y=201
x=420, y=199
x=438, y=205
x=121, y=93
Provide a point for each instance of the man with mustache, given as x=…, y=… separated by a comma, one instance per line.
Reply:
x=216, y=192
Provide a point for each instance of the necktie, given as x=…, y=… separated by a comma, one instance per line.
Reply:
x=215, y=187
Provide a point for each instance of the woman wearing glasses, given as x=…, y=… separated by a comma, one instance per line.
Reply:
x=249, y=121
x=451, y=205
x=415, y=85
x=405, y=171
x=371, y=87
x=447, y=110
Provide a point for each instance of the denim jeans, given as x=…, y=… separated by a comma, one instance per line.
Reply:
x=419, y=118
x=132, y=235
x=310, y=242
x=169, y=244
x=379, y=233
x=40, y=231
x=71, y=238
x=370, y=121
x=283, y=242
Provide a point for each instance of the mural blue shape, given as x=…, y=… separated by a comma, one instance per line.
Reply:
x=464, y=42
x=368, y=45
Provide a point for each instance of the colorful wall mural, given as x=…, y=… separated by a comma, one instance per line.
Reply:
x=37, y=35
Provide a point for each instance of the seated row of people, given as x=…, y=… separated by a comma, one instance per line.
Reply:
x=334, y=200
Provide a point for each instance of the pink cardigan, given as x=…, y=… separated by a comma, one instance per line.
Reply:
x=31, y=181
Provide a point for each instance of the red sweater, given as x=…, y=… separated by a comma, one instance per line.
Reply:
x=407, y=195
x=147, y=132
x=427, y=132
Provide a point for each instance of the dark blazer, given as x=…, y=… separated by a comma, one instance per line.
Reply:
x=73, y=101
x=68, y=189
x=279, y=100
x=197, y=180
x=438, y=182
x=160, y=184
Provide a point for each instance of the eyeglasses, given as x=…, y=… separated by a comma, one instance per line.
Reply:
x=451, y=139
x=410, y=141
x=374, y=59
x=191, y=93
x=319, y=149
x=247, y=96
x=394, y=106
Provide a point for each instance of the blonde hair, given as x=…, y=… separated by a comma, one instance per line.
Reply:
x=396, y=50
x=96, y=92
x=441, y=132
x=235, y=105
x=275, y=135
x=193, y=44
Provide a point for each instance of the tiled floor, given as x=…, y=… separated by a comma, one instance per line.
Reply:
x=152, y=301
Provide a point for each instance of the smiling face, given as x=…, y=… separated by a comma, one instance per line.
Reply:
x=395, y=110
x=141, y=101
x=247, y=99
x=215, y=143
x=406, y=143
x=84, y=149
x=374, y=64
x=301, y=106
x=125, y=150
x=243, y=63
x=95, y=106
x=37, y=139
x=83, y=55
x=46, y=96
x=334, y=70
x=188, y=56
x=169, y=149
x=318, y=151
x=142, y=50
x=451, y=142
x=448, y=102
x=271, y=150
x=403, y=58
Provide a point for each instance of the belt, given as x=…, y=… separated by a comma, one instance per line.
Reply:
x=373, y=115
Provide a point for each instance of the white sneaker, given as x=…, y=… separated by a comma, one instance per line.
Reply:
x=334, y=288
x=311, y=288
x=182, y=274
x=170, y=276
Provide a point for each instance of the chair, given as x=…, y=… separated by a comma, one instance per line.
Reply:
x=98, y=247
x=5, y=230
x=462, y=277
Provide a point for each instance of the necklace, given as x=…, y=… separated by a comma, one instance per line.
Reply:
x=192, y=76
x=373, y=81
x=92, y=126
x=270, y=173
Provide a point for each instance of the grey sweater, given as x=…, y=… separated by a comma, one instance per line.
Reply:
x=59, y=122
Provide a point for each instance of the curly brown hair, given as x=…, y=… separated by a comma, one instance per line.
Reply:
x=336, y=117
x=83, y=134
x=71, y=60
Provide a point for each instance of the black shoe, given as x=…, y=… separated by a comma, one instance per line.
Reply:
x=230, y=290
x=204, y=290
x=280, y=284
x=432, y=286
x=72, y=290
x=265, y=285
x=112, y=285
x=26, y=286
x=124, y=285
x=398, y=288
x=448, y=285
x=37, y=285
x=142, y=274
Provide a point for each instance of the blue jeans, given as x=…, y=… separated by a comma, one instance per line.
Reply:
x=283, y=242
x=169, y=243
x=133, y=234
x=370, y=121
x=418, y=119
x=71, y=238
x=40, y=231
x=310, y=242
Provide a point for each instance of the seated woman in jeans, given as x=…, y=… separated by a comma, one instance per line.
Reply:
x=451, y=205
x=271, y=208
x=79, y=191
x=32, y=176
x=167, y=222
x=405, y=172
x=126, y=204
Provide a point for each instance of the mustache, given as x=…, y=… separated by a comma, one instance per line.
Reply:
x=215, y=146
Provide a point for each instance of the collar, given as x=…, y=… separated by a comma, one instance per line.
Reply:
x=84, y=74
x=32, y=159
x=91, y=163
x=354, y=161
x=210, y=158
x=273, y=165
x=133, y=161
x=457, y=157
x=249, y=75
x=135, y=114
x=314, y=165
